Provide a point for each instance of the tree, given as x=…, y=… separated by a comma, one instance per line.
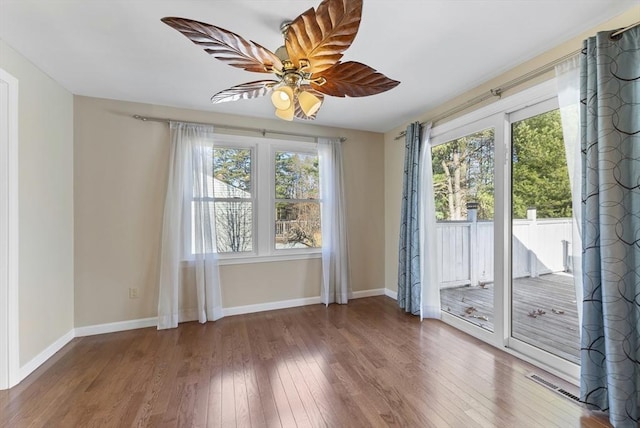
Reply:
x=234, y=226
x=303, y=224
x=232, y=184
x=539, y=171
x=462, y=173
x=297, y=193
x=233, y=166
x=297, y=176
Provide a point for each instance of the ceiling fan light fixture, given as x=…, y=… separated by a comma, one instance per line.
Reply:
x=305, y=69
x=282, y=97
x=309, y=103
x=286, y=114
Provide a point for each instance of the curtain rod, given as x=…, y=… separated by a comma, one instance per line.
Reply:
x=622, y=30
x=497, y=92
x=264, y=132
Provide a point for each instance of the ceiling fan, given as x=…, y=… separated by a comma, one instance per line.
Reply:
x=306, y=68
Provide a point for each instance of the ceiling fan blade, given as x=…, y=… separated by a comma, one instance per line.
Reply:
x=321, y=36
x=299, y=113
x=227, y=46
x=353, y=79
x=244, y=91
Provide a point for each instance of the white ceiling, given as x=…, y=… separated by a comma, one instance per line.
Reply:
x=437, y=48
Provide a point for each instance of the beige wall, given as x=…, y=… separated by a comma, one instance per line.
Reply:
x=394, y=149
x=270, y=282
x=120, y=178
x=45, y=206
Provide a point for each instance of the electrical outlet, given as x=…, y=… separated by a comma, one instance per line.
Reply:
x=133, y=293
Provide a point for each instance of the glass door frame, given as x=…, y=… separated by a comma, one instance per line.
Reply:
x=499, y=115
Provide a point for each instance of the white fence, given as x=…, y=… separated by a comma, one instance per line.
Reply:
x=465, y=250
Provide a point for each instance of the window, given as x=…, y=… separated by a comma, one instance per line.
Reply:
x=297, y=209
x=265, y=194
x=463, y=175
x=233, y=199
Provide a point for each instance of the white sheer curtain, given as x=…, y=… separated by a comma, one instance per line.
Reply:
x=335, y=262
x=568, y=83
x=430, y=307
x=189, y=217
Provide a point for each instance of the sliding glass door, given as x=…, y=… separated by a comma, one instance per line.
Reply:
x=504, y=225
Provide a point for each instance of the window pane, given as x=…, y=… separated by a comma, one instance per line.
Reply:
x=463, y=171
x=201, y=211
x=298, y=225
x=544, y=312
x=232, y=173
x=234, y=226
x=296, y=176
x=539, y=168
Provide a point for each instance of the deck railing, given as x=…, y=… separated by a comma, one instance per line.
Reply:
x=283, y=227
x=466, y=250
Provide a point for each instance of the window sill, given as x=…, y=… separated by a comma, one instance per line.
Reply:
x=241, y=260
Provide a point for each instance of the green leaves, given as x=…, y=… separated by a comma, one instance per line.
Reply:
x=539, y=170
x=297, y=176
x=463, y=171
x=233, y=167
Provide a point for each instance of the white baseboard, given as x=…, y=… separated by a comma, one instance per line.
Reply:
x=391, y=293
x=43, y=356
x=191, y=315
x=283, y=304
x=367, y=293
x=270, y=306
x=113, y=327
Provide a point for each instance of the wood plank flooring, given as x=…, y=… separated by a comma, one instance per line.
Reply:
x=366, y=364
x=555, y=331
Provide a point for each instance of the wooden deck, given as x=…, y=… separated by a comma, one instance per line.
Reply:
x=551, y=298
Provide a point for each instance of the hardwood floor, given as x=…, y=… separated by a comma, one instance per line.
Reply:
x=365, y=364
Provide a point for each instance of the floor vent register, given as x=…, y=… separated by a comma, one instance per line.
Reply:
x=555, y=388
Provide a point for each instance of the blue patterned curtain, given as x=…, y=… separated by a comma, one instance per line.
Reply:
x=409, y=285
x=610, y=117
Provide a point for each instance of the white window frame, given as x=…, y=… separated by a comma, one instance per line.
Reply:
x=263, y=200
x=500, y=115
